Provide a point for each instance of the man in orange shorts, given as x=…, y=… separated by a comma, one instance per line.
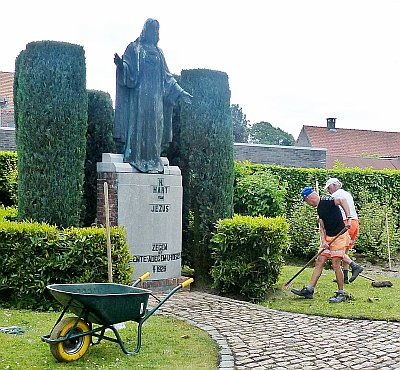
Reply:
x=334, y=187
x=331, y=225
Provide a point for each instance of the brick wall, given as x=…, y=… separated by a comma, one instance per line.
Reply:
x=287, y=156
x=7, y=139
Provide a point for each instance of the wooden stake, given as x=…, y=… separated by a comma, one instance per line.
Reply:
x=107, y=214
x=388, y=242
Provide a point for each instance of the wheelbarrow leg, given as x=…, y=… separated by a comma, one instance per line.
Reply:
x=144, y=318
x=121, y=342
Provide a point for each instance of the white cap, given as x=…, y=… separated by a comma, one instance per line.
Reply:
x=333, y=180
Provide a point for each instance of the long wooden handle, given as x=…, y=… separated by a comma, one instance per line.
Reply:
x=107, y=212
x=315, y=257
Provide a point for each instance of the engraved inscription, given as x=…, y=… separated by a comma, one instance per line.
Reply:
x=159, y=208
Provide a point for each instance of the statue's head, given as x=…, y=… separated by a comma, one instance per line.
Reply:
x=150, y=32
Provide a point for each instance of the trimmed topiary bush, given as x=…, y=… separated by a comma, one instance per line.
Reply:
x=206, y=158
x=51, y=121
x=99, y=140
x=247, y=253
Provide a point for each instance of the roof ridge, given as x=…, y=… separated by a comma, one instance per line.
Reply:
x=351, y=129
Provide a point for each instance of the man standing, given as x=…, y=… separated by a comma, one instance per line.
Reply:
x=334, y=187
x=331, y=225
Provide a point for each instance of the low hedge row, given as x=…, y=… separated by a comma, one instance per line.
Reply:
x=34, y=255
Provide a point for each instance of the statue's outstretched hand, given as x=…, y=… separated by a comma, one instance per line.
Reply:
x=186, y=97
x=118, y=61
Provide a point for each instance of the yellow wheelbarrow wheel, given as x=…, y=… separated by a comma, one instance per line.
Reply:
x=73, y=349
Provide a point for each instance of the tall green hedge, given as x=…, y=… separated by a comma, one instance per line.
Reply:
x=51, y=104
x=99, y=140
x=206, y=147
x=382, y=185
x=376, y=194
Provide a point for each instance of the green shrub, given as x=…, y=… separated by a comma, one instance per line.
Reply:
x=8, y=178
x=259, y=195
x=8, y=213
x=35, y=255
x=247, y=253
x=373, y=238
x=51, y=104
x=303, y=231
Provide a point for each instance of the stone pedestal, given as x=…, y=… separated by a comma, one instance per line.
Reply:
x=149, y=207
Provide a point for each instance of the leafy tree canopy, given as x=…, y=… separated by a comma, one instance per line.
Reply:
x=264, y=133
x=240, y=124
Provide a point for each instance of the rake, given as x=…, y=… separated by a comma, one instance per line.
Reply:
x=378, y=283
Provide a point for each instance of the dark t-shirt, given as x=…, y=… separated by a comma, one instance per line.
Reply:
x=330, y=213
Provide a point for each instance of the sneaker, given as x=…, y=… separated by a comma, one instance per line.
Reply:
x=303, y=293
x=345, y=281
x=357, y=270
x=339, y=297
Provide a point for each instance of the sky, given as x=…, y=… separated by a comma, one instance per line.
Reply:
x=289, y=62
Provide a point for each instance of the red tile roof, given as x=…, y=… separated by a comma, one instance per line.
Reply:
x=354, y=143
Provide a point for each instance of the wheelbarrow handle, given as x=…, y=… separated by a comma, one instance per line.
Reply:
x=187, y=282
x=157, y=306
x=141, y=278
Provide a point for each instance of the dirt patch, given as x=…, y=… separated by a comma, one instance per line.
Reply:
x=380, y=269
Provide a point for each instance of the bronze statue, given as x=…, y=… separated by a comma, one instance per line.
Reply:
x=145, y=94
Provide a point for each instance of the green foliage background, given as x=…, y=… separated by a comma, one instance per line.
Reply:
x=259, y=194
x=264, y=133
x=8, y=178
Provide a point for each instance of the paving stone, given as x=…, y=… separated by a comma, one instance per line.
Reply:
x=253, y=337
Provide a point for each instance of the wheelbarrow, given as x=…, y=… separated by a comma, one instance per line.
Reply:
x=98, y=307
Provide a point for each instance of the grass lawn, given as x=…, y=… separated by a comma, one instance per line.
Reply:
x=167, y=343
x=366, y=301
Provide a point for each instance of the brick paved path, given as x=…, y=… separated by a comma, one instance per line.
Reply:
x=252, y=337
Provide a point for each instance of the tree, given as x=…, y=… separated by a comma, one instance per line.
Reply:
x=264, y=133
x=240, y=124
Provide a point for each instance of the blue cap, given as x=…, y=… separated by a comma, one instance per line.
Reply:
x=306, y=192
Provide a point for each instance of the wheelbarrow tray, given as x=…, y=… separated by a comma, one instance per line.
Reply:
x=102, y=303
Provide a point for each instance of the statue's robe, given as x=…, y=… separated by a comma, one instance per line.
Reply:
x=145, y=94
